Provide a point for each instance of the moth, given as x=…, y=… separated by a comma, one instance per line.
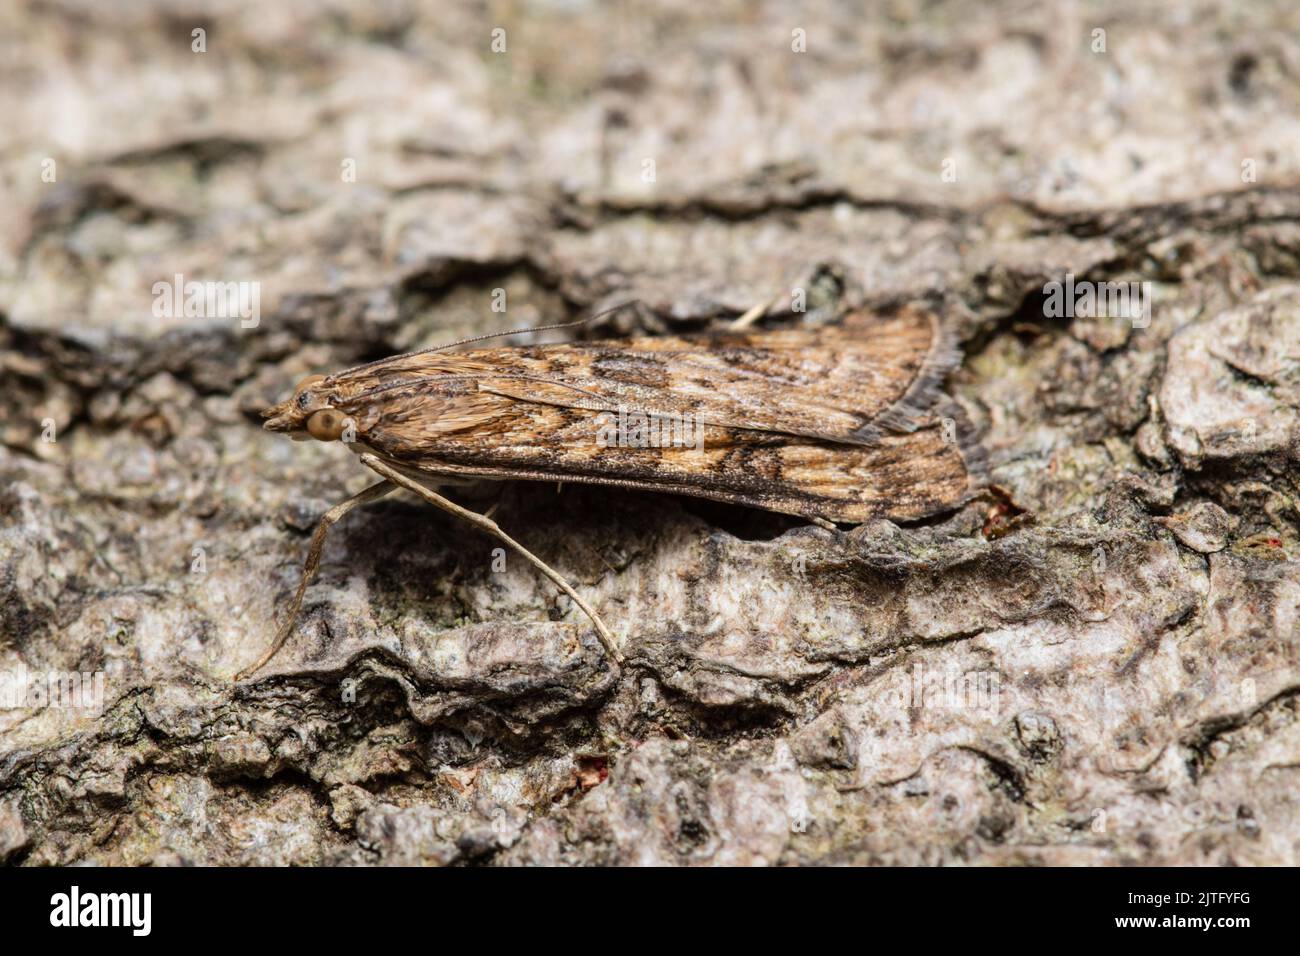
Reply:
x=837, y=424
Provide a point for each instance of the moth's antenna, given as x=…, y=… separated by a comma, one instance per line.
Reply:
x=536, y=328
x=493, y=335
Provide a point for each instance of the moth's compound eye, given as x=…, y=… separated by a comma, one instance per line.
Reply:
x=302, y=391
x=326, y=425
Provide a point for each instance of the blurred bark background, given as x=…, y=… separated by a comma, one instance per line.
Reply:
x=1095, y=664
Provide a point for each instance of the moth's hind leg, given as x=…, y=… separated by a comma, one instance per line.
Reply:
x=491, y=527
x=314, y=551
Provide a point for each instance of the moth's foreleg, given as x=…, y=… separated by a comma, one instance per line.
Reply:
x=317, y=546
x=491, y=527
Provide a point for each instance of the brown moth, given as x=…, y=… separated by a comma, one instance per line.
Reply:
x=834, y=424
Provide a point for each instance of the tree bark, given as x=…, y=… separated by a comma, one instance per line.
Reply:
x=1094, y=662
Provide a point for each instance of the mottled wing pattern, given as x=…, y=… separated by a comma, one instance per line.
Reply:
x=810, y=422
x=902, y=476
x=847, y=383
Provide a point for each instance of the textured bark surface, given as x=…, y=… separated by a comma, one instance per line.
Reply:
x=1095, y=664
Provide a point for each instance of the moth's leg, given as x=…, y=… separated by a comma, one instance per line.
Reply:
x=823, y=523
x=309, y=568
x=491, y=527
x=753, y=315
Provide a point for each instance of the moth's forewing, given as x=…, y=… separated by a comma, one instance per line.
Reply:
x=802, y=421
x=845, y=382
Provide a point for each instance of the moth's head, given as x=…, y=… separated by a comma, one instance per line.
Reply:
x=309, y=412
